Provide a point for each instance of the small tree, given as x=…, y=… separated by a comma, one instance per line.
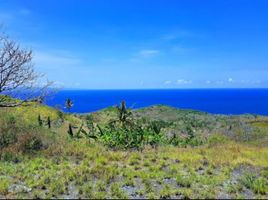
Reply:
x=68, y=104
x=70, y=131
x=124, y=114
x=49, y=122
x=40, y=121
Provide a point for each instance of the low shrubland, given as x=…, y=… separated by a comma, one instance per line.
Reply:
x=156, y=152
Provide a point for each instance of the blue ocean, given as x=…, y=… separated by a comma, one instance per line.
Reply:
x=217, y=101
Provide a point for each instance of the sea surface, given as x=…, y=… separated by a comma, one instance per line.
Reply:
x=217, y=101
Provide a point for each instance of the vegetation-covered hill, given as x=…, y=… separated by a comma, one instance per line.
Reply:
x=154, y=152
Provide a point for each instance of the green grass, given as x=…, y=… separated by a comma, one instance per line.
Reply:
x=43, y=173
x=85, y=168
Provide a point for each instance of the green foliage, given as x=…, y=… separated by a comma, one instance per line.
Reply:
x=258, y=185
x=48, y=122
x=89, y=122
x=17, y=138
x=70, y=131
x=122, y=137
x=8, y=137
x=127, y=132
x=32, y=143
x=216, y=139
x=4, y=184
x=60, y=115
x=183, y=181
x=117, y=192
x=77, y=134
x=40, y=121
x=9, y=156
x=195, y=140
x=124, y=114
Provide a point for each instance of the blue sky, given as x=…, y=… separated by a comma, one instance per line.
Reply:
x=130, y=44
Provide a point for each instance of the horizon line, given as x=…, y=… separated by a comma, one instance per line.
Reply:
x=164, y=88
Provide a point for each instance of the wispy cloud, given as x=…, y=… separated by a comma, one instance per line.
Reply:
x=8, y=16
x=231, y=81
x=148, y=53
x=178, y=82
x=173, y=35
x=144, y=54
x=48, y=59
x=183, y=82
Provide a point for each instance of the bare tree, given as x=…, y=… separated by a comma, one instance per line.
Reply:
x=17, y=74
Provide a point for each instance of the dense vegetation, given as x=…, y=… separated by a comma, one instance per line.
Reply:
x=155, y=152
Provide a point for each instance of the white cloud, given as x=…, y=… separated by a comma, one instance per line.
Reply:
x=143, y=54
x=230, y=80
x=208, y=82
x=183, y=82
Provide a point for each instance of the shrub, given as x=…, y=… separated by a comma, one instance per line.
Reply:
x=4, y=184
x=247, y=180
x=122, y=137
x=259, y=186
x=8, y=137
x=183, y=181
x=17, y=138
x=9, y=155
x=216, y=139
x=30, y=142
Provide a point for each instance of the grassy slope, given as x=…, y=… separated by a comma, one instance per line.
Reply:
x=82, y=168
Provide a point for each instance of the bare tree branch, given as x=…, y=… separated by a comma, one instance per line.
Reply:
x=18, y=76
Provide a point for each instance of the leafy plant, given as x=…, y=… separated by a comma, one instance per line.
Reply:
x=70, y=131
x=48, y=122
x=40, y=121
x=124, y=115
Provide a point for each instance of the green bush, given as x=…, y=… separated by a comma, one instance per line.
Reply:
x=17, y=138
x=8, y=137
x=122, y=137
x=258, y=185
x=8, y=155
x=32, y=143
x=216, y=139
x=4, y=184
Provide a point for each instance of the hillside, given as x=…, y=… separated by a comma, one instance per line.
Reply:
x=183, y=154
x=248, y=128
